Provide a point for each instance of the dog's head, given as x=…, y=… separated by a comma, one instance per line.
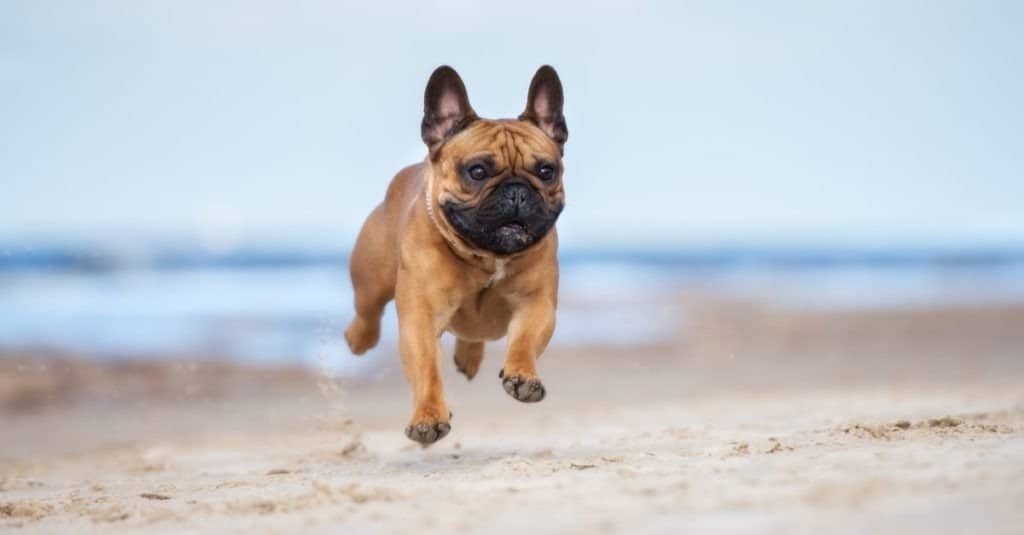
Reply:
x=497, y=183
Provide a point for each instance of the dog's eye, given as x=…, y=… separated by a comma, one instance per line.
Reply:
x=546, y=172
x=477, y=172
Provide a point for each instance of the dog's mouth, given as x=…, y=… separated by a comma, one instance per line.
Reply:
x=513, y=226
x=511, y=237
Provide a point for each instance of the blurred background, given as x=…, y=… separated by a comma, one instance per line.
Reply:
x=187, y=178
x=792, y=267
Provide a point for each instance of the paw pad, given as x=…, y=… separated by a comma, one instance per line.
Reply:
x=428, y=433
x=525, y=390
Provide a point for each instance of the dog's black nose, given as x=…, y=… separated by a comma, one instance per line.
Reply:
x=517, y=193
x=518, y=197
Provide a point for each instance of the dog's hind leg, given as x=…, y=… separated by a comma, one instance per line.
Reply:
x=468, y=355
x=374, y=268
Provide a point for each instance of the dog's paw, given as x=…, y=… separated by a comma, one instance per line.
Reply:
x=428, y=433
x=522, y=388
x=362, y=335
x=428, y=426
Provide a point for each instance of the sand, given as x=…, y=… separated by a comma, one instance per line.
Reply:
x=768, y=421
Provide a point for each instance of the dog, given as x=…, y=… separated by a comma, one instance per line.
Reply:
x=465, y=242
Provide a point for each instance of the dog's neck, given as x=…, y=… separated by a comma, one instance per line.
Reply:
x=486, y=261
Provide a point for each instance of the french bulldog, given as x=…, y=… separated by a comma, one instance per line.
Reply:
x=465, y=243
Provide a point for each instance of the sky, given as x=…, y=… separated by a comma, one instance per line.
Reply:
x=690, y=122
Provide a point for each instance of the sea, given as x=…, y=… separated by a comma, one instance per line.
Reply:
x=280, y=304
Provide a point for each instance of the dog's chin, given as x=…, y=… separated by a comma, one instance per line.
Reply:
x=510, y=238
x=505, y=239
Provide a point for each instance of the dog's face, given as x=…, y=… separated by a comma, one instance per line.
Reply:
x=497, y=183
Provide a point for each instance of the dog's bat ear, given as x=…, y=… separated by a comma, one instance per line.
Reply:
x=544, y=104
x=446, y=109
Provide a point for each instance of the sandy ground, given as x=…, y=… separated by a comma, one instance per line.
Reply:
x=758, y=420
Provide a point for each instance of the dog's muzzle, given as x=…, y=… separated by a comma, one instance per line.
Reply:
x=511, y=218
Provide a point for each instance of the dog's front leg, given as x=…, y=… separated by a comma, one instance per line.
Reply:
x=529, y=331
x=423, y=311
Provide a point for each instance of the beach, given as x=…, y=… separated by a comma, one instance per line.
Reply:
x=761, y=418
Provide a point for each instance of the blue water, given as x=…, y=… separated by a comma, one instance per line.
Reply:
x=278, y=307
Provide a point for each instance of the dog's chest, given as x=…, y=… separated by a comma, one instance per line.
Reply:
x=500, y=271
x=485, y=314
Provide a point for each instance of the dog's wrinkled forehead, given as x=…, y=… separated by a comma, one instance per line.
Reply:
x=511, y=143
